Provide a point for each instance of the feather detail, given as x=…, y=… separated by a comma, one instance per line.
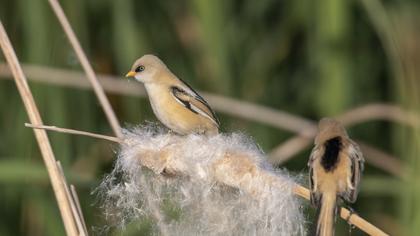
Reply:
x=326, y=215
x=194, y=102
x=357, y=166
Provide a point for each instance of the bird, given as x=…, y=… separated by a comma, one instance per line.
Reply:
x=335, y=165
x=173, y=101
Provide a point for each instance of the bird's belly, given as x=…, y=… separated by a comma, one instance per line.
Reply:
x=182, y=120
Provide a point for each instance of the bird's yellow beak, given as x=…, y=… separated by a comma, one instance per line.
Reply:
x=130, y=74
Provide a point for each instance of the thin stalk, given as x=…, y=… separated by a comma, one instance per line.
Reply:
x=112, y=119
x=41, y=136
x=76, y=132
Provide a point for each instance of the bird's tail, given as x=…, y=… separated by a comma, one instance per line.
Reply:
x=326, y=213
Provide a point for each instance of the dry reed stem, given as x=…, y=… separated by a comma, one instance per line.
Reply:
x=226, y=171
x=377, y=157
x=76, y=132
x=249, y=111
x=73, y=205
x=74, y=79
x=106, y=106
x=57, y=180
x=79, y=209
x=379, y=112
x=112, y=119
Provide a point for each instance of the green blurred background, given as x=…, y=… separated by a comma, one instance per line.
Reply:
x=309, y=58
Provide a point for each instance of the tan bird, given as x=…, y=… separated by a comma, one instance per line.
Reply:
x=173, y=101
x=335, y=168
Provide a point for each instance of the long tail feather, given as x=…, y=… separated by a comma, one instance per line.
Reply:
x=326, y=215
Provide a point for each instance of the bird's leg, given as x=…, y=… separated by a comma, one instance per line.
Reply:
x=352, y=212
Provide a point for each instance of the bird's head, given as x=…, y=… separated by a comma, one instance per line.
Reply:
x=329, y=128
x=146, y=68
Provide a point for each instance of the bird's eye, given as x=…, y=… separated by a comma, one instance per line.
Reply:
x=139, y=69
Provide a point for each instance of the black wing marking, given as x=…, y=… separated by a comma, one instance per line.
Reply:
x=177, y=91
x=189, y=101
x=201, y=99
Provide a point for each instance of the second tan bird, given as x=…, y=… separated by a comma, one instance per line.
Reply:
x=335, y=169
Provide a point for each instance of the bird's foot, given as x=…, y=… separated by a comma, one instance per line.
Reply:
x=351, y=213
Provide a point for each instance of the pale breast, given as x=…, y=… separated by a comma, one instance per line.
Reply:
x=174, y=115
x=160, y=102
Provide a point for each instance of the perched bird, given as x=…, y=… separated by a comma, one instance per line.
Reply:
x=335, y=168
x=173, y=101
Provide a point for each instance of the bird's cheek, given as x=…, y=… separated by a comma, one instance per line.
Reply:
x=139, y=78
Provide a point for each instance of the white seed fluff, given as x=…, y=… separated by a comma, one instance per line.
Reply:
x=204, y=197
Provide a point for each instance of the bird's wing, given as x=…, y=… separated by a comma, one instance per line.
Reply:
x=357, y=167
x=315, y=153
x=190, y=99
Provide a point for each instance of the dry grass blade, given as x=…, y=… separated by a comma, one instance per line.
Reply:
x=73, y=205
x=380, y=158
x=266, y=115
x=79, y=209
x=77, y=132
x=112, y=119
x=286, y=150
x=75, y=79
x=379, y=112
x=57, y=182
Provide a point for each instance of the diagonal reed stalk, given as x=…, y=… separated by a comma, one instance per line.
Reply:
x=65, y=202
x=100, y=94
x=154, y=162
x=76, y=132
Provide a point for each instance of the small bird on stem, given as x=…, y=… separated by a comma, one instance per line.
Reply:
x=335, y=168
x=173, y=101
